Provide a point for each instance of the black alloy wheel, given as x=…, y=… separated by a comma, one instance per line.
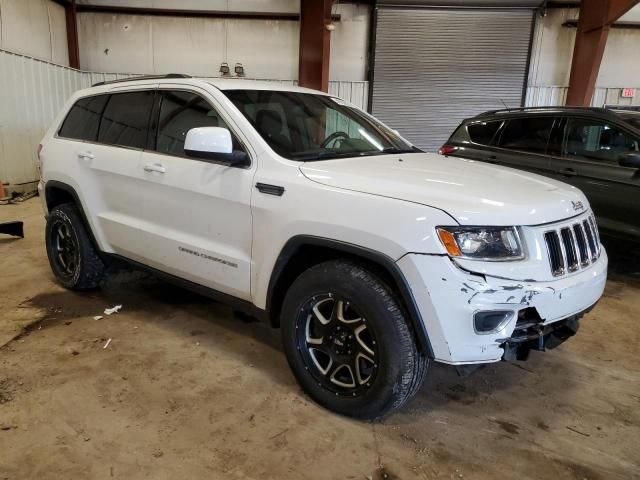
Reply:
x=337, y=345
x=72, y=255
x=66, y=252
x=348, y=341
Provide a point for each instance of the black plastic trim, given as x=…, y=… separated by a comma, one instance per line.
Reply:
x=386, y=262
x=142, y=77
x=234, y=302
x=237, y=158
x=76, y=199
x=269, y=189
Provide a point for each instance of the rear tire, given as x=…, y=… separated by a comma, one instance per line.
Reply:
x=72, y=256
x=348, y=342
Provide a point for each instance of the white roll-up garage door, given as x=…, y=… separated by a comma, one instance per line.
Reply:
x=434, y=67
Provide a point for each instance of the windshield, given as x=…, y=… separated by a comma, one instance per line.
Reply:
x=306, y=127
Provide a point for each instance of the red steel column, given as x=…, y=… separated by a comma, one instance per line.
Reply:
x=313, y=66
x=596, y=17
x=72, y=33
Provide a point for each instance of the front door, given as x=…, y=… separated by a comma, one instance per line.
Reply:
x=198, y=213
x=590, y=161
x=522, y=144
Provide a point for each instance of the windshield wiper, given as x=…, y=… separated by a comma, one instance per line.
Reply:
x=400, y=150
x=328, y=154
x=325, y=155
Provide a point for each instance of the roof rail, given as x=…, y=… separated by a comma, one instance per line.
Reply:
x=142, y=77
x=629, y=108
x=550, y=107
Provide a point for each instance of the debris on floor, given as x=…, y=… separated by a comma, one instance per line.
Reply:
x=98, y=317
x=111, y=311
x=15, y=197
x=107, y=344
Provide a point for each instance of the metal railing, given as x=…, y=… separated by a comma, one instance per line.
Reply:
x=555, y=95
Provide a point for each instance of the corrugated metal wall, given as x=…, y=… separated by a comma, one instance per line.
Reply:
x=33, y=91
x=545, y=95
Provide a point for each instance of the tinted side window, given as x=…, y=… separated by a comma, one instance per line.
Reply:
x=527, y=134
x=83, y=119
x=179, y=113
x=554, y=147
x=125, y=119
x=483, y=132
x=596, y=140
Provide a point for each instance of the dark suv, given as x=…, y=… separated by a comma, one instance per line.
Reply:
x=595, y=149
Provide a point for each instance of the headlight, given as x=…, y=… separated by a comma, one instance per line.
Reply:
x=482, y=243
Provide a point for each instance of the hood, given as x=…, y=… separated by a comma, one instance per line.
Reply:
x=474, y=193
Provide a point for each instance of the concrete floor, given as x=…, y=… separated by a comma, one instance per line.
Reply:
x=187, y=390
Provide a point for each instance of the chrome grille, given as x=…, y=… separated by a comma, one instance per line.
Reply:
x=572, y=247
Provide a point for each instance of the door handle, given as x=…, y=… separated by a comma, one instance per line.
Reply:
x=492, y=159
x=155, y=167
x=87, y=155
x=569, y=172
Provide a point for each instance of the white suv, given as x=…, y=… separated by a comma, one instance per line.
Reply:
x=372, y=256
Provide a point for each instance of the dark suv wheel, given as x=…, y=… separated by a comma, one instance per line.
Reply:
x=72, y=257
x=348, y=342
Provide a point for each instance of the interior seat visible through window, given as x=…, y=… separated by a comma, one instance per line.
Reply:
x=269, y=124
x=180, y=111
x=598, y=141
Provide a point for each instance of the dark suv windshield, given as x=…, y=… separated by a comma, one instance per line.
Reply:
x=303, y=126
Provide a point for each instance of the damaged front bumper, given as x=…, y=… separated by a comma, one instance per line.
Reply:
x=544, y=314
x=532, y=333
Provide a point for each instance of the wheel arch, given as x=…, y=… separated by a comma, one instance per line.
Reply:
x=303, y=251
x=56, y=193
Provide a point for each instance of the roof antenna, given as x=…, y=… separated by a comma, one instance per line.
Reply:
x=505, y=105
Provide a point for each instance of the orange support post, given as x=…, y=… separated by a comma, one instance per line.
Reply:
x=596, y=17
x=313, y=66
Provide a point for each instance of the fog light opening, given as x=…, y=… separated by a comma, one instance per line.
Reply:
x=491, y=321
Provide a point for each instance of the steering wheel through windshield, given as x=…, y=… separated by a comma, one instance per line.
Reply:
x=333, y=137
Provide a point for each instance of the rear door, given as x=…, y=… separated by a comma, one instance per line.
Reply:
x=591, y=151
x=197, y=213
x=115, y=166
x=522, y=143
x=107, y=134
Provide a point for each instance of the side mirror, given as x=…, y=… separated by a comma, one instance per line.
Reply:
x=213, y=144
x=631, y=159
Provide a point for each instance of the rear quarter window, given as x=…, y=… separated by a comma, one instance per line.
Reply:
x=483, y=132
x=83, y=120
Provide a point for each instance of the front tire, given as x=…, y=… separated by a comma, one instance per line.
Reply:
x=348, y=342
x=72, y=256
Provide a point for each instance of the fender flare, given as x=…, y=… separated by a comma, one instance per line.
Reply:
x=380, y=259
x=78, y=203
